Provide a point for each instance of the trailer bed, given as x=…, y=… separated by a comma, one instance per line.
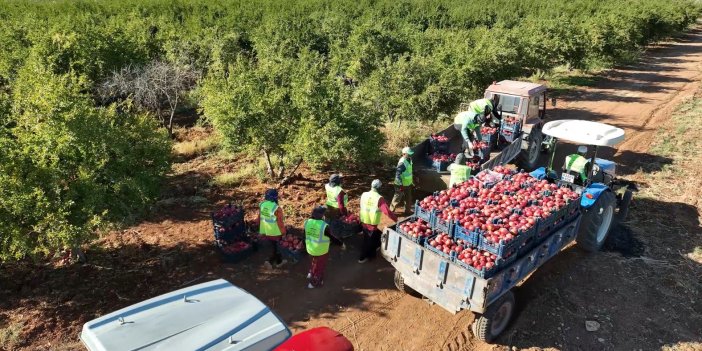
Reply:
x=454, y=288
x=430, y=180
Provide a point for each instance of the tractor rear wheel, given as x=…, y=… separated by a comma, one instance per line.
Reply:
x=597, y=222
x=529, y=157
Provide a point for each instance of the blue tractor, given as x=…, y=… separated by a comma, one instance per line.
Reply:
x=604, y=197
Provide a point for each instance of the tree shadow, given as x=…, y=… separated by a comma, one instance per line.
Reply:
x=642, y=290
x=58, y=299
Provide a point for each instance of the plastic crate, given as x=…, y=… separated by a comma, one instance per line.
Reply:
x=573, y=207
x=443, y=225
x=485, y=272
x=295, y=255
x=440, y=166
x=439, y=146
x=434, y=250
x=549, y=224
x=420, y=240
x=342, y=230
x=235, y=257
x=510, y=127
x=237, y=232
x=229, y=220
x=490, y=139
x=426, y=215
x=484, y=154
x=461, y=233
x=507, y=249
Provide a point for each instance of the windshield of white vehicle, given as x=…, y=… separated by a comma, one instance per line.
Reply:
x=510, y=103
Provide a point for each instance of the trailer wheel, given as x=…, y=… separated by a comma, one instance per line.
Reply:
x=529, y=158
x=597, y=222
x=400, y=284
x=495, y=319
x=624, y=205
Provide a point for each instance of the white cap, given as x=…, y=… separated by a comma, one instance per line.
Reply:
x=582, y=149
x=376, y=184
x=407, y=150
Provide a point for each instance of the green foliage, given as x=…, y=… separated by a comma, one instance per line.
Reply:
x=69, y=168
x=292, y=108
x=308, y=80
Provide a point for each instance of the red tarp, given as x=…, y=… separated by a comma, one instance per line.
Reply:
x=317, y=339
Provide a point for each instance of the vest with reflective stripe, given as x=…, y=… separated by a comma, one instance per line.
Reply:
x=370, y=212
x=466, y=118
x=269, y=221
x=478, y=106
x=316, y=242
x=459, y=174
x=406, y=176
x=577, y=163
x=332, y=194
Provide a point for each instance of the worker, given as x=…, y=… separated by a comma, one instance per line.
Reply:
x=271, y=226
x=577, y=163
x=404, y=181
x=469, y=122
x=372, y=204
x=337, y=199
x=459, y=171
x=486, y=107
x=317, y=241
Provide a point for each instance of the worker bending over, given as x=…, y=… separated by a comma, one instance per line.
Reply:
x=469, y=122
x=372, y=205
x=404, y=181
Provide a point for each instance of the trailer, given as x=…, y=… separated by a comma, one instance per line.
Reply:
x=443, y=280
x=524, y=101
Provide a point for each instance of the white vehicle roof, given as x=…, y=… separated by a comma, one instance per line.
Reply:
x=209, y=316
x=584, y=132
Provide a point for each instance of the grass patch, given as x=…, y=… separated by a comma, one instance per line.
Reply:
x=240, y=176
x=10, y=335
x=194, y=148
x=409, y=133
x=563, y=79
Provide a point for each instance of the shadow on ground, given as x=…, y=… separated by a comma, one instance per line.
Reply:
x=642, y=284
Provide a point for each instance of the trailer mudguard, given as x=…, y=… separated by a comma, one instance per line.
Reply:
x=591, y=194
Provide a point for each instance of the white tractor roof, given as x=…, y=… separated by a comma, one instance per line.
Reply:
x=584, y=132
x=209, y=316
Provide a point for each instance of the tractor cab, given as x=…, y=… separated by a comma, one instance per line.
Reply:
x=522, y=106
x=589, y=135
x=523, y=100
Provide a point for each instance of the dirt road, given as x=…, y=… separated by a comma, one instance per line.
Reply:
x=631, y=290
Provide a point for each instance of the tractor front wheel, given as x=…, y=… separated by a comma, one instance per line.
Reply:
x=529, y=157
x=597, y=222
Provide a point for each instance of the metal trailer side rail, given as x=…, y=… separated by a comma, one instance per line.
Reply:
x=453, y=287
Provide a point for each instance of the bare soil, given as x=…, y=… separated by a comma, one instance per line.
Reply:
x=644, y=290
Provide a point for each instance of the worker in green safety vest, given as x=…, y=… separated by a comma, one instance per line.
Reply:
x=317, y=240
x=404, y=181
x=459, y=171
x=337, y=199
x=271, y=226
x=469, y=122
x=372, y=206
x=578, y=163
